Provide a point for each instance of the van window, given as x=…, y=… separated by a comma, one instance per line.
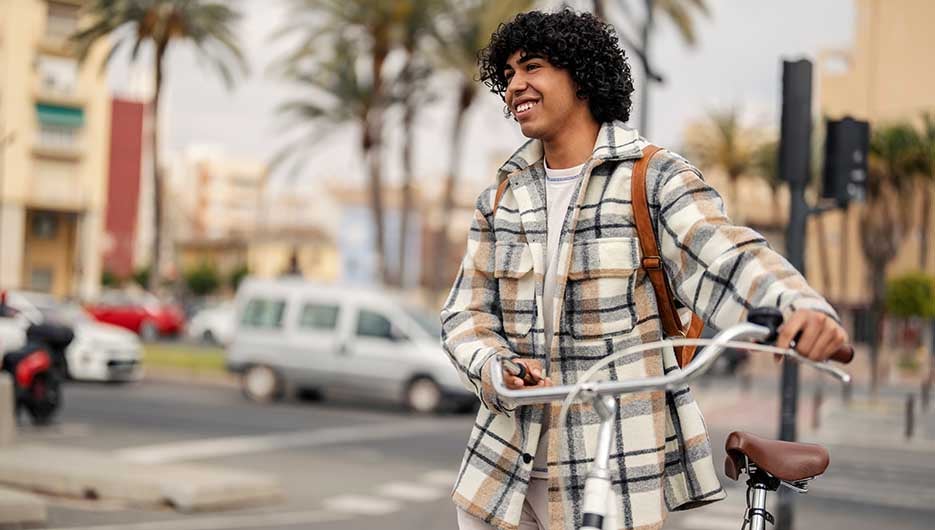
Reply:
x=318, y=316
x=371, y=324
x=263, y=313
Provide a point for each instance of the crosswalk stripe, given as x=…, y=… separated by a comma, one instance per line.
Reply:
x=361, y=505
x=407, y=491
x=710, y=522
x=440, y=477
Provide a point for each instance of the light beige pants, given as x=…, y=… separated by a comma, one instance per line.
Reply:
x=535, y=510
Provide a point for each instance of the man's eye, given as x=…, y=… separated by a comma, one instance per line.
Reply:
x=532, y=66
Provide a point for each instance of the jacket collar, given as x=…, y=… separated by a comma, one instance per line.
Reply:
x=615, y=141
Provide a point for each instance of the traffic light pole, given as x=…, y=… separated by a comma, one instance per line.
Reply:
x=794, y=165
x=789, y=393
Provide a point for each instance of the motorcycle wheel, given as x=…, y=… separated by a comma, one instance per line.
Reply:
x=43, y=398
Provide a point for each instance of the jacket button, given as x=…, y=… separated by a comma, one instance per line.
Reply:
x=527, y=458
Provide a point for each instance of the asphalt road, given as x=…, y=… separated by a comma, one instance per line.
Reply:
x=396, y=475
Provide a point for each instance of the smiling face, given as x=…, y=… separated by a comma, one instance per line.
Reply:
x=542, y=97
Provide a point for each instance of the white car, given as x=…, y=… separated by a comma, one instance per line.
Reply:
x=213, y=325
x=99, y=351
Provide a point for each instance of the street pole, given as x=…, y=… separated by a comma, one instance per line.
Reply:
x=794, y=163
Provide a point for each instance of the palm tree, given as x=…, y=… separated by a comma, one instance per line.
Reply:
x=679, y=12
x=465, y=31
x=412, y=90
x=927, y=185
x=368, y=29
x=207, y=24
x=886, y=218
x=724, y=143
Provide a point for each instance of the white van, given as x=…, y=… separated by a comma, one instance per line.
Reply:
x=298, y=335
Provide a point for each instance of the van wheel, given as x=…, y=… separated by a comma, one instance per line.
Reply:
x=261, y=383
x=423, y=395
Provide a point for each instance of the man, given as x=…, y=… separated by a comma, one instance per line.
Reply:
x=552, y=279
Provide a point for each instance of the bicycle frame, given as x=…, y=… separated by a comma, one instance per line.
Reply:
x=599, y=508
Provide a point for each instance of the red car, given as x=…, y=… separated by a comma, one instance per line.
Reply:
x=145, y=315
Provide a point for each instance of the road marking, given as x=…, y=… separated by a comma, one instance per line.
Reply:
x=407, y=491
x=440, y=477
x=262, y=520
x=361, y=505
x=238, y=445
x=709, y=522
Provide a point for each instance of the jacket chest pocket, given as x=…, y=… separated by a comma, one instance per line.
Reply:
x=599, y=293
x=516, y=281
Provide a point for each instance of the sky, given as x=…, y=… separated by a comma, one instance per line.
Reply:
x=737, y=62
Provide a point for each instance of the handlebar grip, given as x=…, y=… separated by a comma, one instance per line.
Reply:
x=844, y=354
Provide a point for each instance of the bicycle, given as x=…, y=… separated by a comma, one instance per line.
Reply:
x=769, y=464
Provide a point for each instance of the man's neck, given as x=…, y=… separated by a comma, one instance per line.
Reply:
x=571, y=146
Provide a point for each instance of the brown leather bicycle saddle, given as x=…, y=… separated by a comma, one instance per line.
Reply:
x=789, y=461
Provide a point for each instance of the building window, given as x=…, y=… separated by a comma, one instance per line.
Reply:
x=62, y=20
x=44, y=225
x=57, y=74
x=59, y=127
x=57, y=136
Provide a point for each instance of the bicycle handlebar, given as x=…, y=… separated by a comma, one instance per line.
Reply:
x=743, y=335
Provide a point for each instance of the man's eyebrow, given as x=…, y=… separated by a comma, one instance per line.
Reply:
x=523, y=59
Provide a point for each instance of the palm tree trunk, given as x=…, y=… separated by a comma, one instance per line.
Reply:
x=154, y=269
x=407, y=202
x=465, y=99
x=824, y=259
x=373, y=147
x=877, y=314
x=926, y=223
x=371, y=150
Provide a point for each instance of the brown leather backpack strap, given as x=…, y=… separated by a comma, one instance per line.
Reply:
x=501, y=189
x=652, y=259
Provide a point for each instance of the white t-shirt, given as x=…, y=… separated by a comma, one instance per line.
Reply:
x=560, y=185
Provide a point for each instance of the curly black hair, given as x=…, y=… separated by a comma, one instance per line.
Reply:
x=580, y=43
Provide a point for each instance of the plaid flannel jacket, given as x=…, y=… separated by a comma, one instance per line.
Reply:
x=661, y=457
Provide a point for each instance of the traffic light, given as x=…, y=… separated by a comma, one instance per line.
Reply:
x=845, y=170
x=796, y=122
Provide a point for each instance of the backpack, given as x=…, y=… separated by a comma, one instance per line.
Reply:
x=651, y=262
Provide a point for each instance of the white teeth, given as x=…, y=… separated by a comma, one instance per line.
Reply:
x=525, y=106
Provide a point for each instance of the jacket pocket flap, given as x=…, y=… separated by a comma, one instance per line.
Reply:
x=512, y=259
x=605, y=257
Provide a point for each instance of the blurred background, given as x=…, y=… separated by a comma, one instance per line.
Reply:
x=248, y=214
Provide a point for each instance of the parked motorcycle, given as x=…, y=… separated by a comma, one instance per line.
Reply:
x=38, y=368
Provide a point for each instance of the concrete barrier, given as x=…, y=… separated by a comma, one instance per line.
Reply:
x=18, y=508
x=96, y=475
x=7, y=410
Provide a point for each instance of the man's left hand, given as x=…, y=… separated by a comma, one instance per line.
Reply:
x=820, y=335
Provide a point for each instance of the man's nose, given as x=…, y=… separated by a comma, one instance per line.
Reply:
x=516, y=85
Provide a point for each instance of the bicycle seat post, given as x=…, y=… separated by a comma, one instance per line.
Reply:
x=597, y=487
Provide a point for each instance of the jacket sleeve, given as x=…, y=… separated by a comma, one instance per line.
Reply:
x=718, y=269
x=472, y=331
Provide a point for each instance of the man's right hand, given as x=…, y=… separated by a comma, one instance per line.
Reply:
x=534, y=368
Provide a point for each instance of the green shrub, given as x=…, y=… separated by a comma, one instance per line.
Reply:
x=141, y=277
x=203, y=280
x=911, y=295
x=109, y=279
x=237, y=276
